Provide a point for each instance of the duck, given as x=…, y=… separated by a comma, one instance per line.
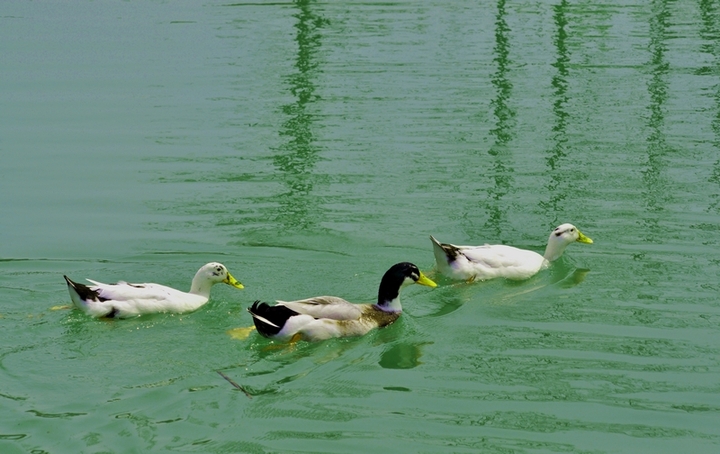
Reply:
x=496, y=260
x=124, y=300
x=325, y=317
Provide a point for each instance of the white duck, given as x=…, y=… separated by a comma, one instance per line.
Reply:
x=496, y=260
x=325, y=317
x=127, y=300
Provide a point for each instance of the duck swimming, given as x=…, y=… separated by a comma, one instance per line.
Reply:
x=124, y=300
x=491, y=261
x=325, y=317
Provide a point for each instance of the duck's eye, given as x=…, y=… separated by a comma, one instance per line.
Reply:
x=572, y=230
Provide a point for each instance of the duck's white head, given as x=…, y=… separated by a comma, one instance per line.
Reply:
x=560, y=238
x=211, y=274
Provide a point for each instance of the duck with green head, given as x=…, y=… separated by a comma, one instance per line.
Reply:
x=325, y=317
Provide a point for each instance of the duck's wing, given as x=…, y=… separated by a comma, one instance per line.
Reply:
x=125, y=291
x=128, y=300
x=326, y=307
x=501, y=257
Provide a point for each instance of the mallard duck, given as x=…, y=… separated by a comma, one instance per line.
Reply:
x=127, y=300
x=325, y=317
x=496, y=260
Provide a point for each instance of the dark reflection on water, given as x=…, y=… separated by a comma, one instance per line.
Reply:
x=655, y=193
x=559, y=82
x=710, y=32
x=500, y=171
x=12, y=436
x=448, y=303
x=504, y=114
x=402, y=355
x=296, y=159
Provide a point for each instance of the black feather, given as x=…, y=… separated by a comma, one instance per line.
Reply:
x=393, y=279
x=277, y=315
x=114, y=312
x=451, y=252
x=85, y=292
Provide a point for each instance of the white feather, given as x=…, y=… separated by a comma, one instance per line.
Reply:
x=493, y=261
x=127, y=300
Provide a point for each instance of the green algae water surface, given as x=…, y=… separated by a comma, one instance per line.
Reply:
x=310, y=145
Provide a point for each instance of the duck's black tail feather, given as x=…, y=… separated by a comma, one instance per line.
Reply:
x=270, y=320
x=451, y=252
x=83, y=291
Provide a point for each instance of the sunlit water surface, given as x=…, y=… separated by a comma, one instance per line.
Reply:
x=309, y=146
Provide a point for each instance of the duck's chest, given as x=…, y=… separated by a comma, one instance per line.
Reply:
x=378, y=317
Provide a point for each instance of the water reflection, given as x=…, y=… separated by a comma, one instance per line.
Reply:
x=402, y=355
x=559, y=83
x=655, y=193
x=297, y=157
x=502, y=166
x=710, y=32
x=577, y=277
x=451, y=298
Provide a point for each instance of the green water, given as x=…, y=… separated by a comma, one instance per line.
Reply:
x=308, y=146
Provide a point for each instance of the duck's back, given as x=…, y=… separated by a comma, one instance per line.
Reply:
x=330, y=307
x=493, y=261
x=314, y=329
x=134, y=299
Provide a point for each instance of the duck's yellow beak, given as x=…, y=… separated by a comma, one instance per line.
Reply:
x=424, y=280
x=230, y=280
x=583, y=239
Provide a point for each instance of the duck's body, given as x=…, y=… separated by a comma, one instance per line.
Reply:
x=325, y=317
x=128, y=300
x=492, y=261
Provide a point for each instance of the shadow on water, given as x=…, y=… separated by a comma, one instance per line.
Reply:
x=557, y=154
x=453, y=295
x=710, y=32
x=402, y=355
x=298, y=208
x=655, y=193
x=501, y=168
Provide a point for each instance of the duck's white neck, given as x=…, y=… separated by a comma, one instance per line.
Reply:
x=201, y=286
x=554, y=250
x=389, y=292
x=392, y=305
